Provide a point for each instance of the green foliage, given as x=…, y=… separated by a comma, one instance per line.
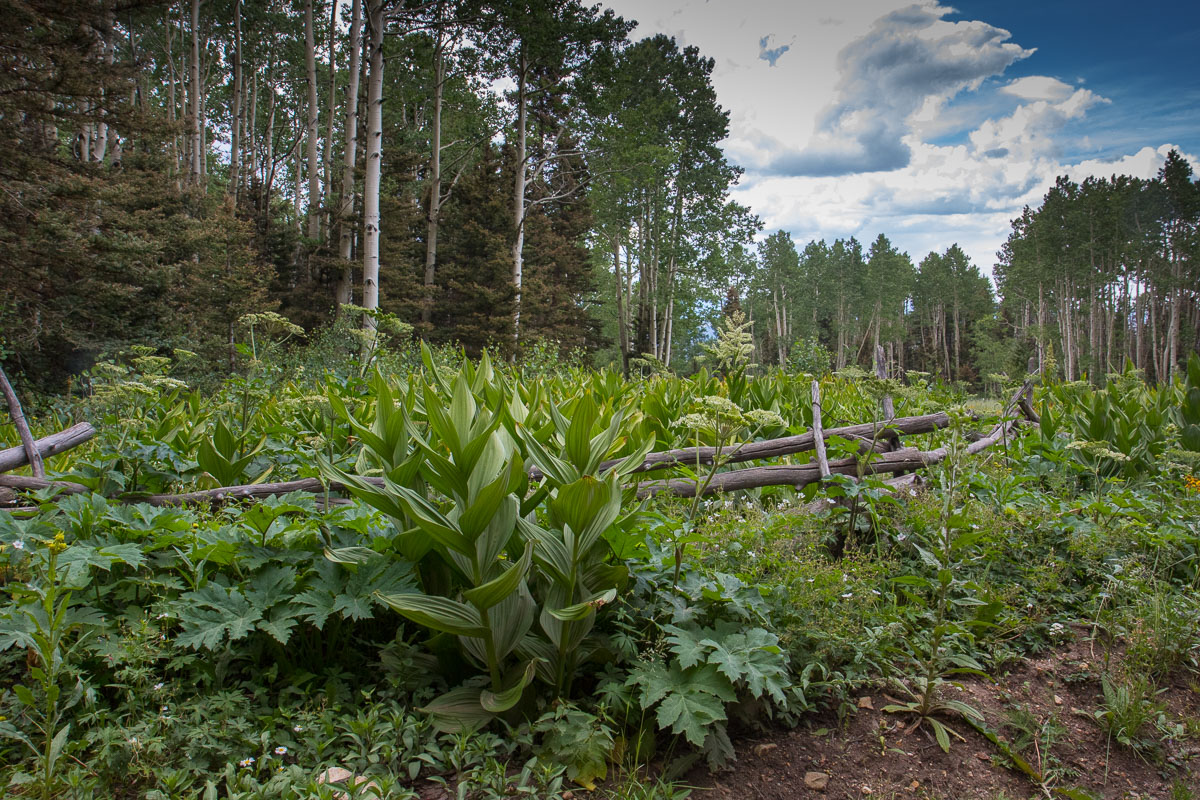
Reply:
x=545, y=613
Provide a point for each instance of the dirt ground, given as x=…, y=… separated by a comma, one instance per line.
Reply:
x=879, y=755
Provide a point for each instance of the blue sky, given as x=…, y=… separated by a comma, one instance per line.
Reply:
x=935, y=123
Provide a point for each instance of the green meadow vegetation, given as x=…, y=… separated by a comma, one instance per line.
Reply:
x=479, y=597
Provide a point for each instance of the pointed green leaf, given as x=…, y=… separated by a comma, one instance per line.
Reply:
x=498, y=702
x=489, y=594
x=581, y=610
x=437, y=613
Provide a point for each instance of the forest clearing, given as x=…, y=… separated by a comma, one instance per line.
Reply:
x=474, y=595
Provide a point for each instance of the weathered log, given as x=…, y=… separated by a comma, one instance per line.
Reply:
x=871, y=436
x=55, y=443
x=33, y=484
x=787, y=445
x=881, y=372
x=818, y=430
x=903, y=460
x=18, y=418
x=255, y=491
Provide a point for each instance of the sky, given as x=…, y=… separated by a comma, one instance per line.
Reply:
x=931, y=123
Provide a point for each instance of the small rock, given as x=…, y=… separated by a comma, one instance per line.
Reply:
x=1058, y=700
x=865, y=789
x=766, y=747
x=334, y=775
x=865, y=702
x=912, y=787
x=817, y=781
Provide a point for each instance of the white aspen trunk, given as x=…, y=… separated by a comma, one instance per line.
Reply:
x=330, y=114
x=345, y=288
x=169, y=24
x=314, y=174
x=268, y=165
x=1041, y=338
x=196, y=144
x=374, y=162
x=775, y=302
x=235, y=150
x=434, y=210
x=1172, y=354
x=957, y=340
x=622, y=344
x=297, y=183
x=519, y=178
x=107, y=47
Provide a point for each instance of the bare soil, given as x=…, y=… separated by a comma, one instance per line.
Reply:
x=881, y=755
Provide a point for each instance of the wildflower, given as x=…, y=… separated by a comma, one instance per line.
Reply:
x=281, y=751
x=297, y=728
x=18, y=545
x=164, y=709
x=847, y=595
x=246, y=762
x=158, y=687
x=1192, y=482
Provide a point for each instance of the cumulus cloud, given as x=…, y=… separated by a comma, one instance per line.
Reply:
x=1031, y=129
x=1038, y=87
x=910, y=60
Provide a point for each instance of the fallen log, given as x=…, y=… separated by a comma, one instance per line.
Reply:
x=226, y=494
x=787, y=445
x=871, y=436
x=33, y=484
x=798, y=476
x=55, y=443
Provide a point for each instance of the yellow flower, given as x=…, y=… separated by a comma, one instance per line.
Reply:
x=1192, y=482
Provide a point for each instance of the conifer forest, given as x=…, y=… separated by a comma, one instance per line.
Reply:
x=398, y=403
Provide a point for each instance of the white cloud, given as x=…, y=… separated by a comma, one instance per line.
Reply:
x=903, y=70
x=845, y=134
x=1038, y=87
x=1031, y=128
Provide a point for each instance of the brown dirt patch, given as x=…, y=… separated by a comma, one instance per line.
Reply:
x=879, y=755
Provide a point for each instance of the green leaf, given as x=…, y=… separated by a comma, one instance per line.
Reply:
x=350, y=555
x=754, y=657
x=584, y=609
x=437, y=613
x=214, y=613
x=489, y=594
x=458, y=711
x=487, y=502
x=943, y=738
x=498, y=702
x=549, y=552
x=689, y=700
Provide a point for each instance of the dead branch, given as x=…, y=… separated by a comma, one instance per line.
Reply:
x=18, y=417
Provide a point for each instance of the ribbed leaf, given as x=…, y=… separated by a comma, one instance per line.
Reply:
x=581, y=610
x=498, y=702
x=458, y=711
x=437, y=613
x=489, y=594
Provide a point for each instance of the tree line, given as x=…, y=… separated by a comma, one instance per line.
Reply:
x=494, y=174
